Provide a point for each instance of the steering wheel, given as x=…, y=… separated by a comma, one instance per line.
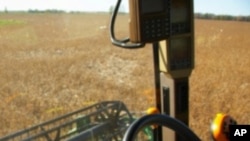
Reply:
x=163, y=120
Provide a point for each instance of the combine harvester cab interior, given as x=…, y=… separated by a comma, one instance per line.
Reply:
x=167, y=26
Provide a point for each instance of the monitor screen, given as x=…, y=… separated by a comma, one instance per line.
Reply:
x=180, y=53
x=151, y=6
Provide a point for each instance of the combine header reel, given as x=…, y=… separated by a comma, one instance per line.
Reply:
x=104, y=121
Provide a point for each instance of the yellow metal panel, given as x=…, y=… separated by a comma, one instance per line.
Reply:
x=163, y=56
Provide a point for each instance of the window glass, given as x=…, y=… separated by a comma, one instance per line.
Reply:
x=56, y=60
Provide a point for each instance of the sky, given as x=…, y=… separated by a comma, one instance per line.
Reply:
x=229, y=7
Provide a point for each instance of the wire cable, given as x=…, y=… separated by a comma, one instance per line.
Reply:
x=124, y=43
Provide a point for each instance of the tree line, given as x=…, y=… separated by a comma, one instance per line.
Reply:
x=45, y=11
x=221, y=17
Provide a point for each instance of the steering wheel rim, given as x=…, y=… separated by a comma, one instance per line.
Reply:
x=163, y=120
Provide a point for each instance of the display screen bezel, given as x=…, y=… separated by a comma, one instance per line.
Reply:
x=152, y=6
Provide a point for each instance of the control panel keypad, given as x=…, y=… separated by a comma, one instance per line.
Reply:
x=155, y=28
x=180, y=28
